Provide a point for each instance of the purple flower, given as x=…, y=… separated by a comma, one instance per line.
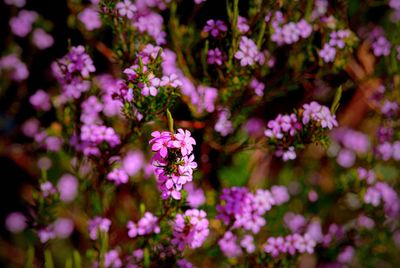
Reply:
x=63, y=227
x=40, y=100
x=112, y=260
x=224, y=126
x=46, y=234
x=98, y=224
x=90, y=18
x=41, y=39
x=118, y=176
x=126, y=9
x=381, y=47
x=280, y=194
x=133, y=162
x=67, y=187
x=320, y=114
x=47, y=189
x=295, y=222
x=152, y=24
x=258, y=87
x=215, y=27
x=305, y=29
x=390, y=108
x=274, y=246
x=327, y=53
x=16, y=222
x=346, y=255
x=146, y=225
x=190, y=229
x=372, y=196
x=365, y=222
x=228, y=245
x=346, y=158
x=242, y=25
x=18, y=70
x=184, y=142
x=305, y=244
x=195, y=197
x=21, y=25
x=214, y=56
x=161, y=142
x=248, y=52
x=30, y=127
x=247, y=242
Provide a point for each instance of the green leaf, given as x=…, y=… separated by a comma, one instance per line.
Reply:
x=170, y=121
x=77, y=259
x=30, y=257
x=336, y=100
x=48, y=259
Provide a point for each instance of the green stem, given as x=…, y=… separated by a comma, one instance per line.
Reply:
x=170, y=122
x=261, y=34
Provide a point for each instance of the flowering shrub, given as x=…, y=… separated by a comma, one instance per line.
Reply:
x=179, y=133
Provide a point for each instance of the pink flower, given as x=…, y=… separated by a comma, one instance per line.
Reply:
x=184, y=141
x=126, y=9
x=161, y=142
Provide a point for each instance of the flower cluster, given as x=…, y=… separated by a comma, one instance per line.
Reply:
x=248, y=53
x=146, y=225
x=337, y=39
x=319, y=115
x=190, y=228
x=289, y=245
x=98, y=225
x=72, y=71
x=383, y=191
x=14, y=66
x=290, y=32
x=245, y=210
x=94, y=135
x=173, y=161
x=283, y=129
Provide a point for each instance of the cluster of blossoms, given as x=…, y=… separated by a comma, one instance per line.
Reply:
x=72, y=72
x=337, y=40
x=349, y=143
x=143, y=18
x=284, y=128
x=230, y=247
x=290, y=32
x=290, y=244
x=383, y=191
x=67, y=188
x=90, y=17
x=144, y=79
x=146, y=225
x=92, y=136
x=62, y=228
x=387, y=151
x=224, y=125
x=14, y=66
x=190, y=228
x=318, y=114
x=248, y=53
x=244, y=209
x=202, y=97
x=173, y=161
x=98, y=225
x=21, y=25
